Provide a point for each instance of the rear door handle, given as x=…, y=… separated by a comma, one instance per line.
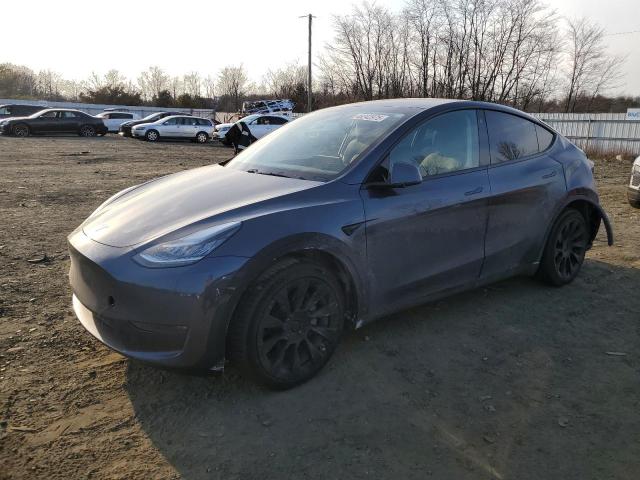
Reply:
x=474, y=191
x=552, y=173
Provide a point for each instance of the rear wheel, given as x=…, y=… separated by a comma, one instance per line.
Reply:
x=565, y=249
x=87, y=131
x=288, y=325
x=152, y=136
x=21, y=130
x=202, y=137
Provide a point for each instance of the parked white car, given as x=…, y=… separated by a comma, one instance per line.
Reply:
x=221, y=132
x=177, y=127
x=261, y=125
x=113, y=120
x=633, y=192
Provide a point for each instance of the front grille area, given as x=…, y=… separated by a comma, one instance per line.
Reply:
x=635, y=179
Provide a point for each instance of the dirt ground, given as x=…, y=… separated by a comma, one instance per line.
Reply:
x=514, y=381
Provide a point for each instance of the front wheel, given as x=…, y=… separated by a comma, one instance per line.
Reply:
x=21, y=130
x=288, y=325
x=565, y=249
x=202, y=137
x=87, y=131
x=152, y=136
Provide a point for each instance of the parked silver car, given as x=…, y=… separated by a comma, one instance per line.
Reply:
x=176, y=126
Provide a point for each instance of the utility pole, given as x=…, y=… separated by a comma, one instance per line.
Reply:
x=310, y=17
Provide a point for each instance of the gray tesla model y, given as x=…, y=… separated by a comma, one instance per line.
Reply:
x=336, y=219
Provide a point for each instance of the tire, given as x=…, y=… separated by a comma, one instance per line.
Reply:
x=565, y=249
x=288, y=324
x=152, y=136
x=202, y=137
x=633, y=198
x=87, y=131
x=21, y=130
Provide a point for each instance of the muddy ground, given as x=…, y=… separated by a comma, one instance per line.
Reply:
x=514, y=381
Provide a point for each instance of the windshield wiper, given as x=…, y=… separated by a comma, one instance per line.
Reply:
x=273, y=174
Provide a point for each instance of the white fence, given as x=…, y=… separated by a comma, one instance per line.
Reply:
x=94, y=109
x=610, y=132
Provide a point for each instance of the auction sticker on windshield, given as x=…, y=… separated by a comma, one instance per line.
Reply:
x=372, y=117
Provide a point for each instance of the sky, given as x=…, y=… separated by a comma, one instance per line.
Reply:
x=76, y=37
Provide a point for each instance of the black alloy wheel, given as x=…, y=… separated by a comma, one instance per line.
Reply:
x=290, y=324
x=565, y=249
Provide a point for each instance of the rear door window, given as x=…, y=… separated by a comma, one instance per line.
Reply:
x=510, y=137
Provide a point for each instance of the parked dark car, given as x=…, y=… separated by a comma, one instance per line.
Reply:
x=14, y=110
x=338, y=218
x=54, y=120
x=125, y=128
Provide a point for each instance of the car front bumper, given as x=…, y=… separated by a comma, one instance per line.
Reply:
x=138, y=133
x=174, y=317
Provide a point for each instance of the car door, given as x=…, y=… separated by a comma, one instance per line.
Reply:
x=68, y=122
x=275, y=123
x=170, y=127
x=526, y=185
x=189, y=127
x=429, y=238
x=45, y=123
x=259, y=127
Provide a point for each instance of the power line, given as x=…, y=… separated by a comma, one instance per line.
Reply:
x=621, y=33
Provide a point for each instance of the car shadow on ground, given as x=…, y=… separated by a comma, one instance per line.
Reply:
x=516, y=380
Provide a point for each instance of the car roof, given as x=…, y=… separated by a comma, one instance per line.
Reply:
x=63, y=110
x=413, y=106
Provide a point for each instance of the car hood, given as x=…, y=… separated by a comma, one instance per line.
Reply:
x=169, y=203
x=13, y=119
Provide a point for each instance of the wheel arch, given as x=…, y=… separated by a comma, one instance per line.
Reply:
x=592, y=212
x=314, y=247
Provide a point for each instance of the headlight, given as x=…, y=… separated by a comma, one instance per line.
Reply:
x=636, y=167
x=188, y=249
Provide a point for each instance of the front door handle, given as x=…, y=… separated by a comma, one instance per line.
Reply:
x=552, y=173
x=475, y=191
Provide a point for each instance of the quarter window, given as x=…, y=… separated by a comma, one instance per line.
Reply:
x=444, y=144
x=510, y=137
x=545, y=138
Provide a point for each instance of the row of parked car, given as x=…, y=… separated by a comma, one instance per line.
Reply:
x=25, y=120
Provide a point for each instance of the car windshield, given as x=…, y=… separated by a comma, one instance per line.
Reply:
x=318, y=146
x=152, y=118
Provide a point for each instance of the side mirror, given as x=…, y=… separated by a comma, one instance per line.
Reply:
x=404, y=175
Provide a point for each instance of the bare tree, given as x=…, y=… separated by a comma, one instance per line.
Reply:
x=590, y=70
x=232, y=81
x=153, y=81
x=192, y=84
x=209, y=87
